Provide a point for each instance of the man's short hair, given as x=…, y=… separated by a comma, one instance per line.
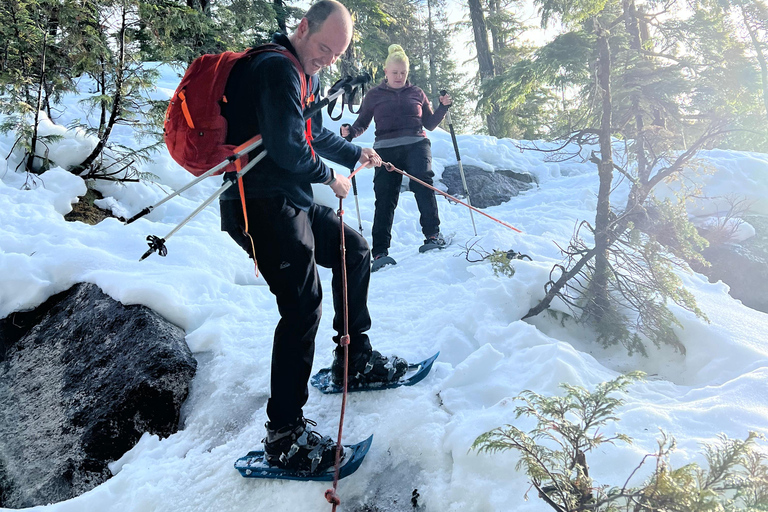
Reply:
x=319, y=12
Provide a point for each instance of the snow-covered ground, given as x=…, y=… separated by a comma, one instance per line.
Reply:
x=427, y=302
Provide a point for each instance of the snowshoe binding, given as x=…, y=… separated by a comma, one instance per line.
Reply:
x=296, y=448
x=435, y=241
x=367, y=369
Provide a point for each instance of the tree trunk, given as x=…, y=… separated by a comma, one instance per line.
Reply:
x=636, y=44
x=280, y=15
x=761, y=59
x=33, y=143
x=201, y=5
x=102, y=83
x=598, y=286
x=484, y=57
x=496, y=37
x=116, y=100
x=432, y=72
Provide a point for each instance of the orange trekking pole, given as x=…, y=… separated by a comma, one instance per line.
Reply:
x=392, y=168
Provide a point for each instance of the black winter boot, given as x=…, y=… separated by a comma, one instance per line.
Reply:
x=297, y=448
x=367, y=368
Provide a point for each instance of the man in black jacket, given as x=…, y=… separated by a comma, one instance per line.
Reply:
x=290, y=234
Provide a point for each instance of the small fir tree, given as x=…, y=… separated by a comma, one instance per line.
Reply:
x=554, y=456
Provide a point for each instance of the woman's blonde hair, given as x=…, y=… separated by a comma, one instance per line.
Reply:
x=397, y=54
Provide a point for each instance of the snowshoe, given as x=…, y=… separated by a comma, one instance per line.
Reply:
x=323, y=379
x=434, y=242
x=382, y=260
x=253, y=465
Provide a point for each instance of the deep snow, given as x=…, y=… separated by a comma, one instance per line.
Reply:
x=427, y=302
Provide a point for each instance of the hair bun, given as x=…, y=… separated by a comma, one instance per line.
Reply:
x=395, y=48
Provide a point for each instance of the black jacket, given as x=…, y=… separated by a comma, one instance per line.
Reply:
x=264, y=97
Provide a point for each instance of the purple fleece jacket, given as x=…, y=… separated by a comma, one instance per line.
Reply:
x=398, y=112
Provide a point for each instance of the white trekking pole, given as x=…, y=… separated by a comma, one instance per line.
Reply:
x=458, y=159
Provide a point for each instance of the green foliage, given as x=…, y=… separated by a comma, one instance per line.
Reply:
x=74, y=38
x=532, y=93
x=31, y=72
x=569, y=11
x=642, y=280
x=501, y=263
x=554, y=456
x=174, y=31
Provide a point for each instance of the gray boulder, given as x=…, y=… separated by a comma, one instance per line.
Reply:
x=744, y=271
x=487, y=188
x=82, y=377
x=743, y=266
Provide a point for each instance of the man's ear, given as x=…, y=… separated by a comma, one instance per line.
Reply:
x=303, y=29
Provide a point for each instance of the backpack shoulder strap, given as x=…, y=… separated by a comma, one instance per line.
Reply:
x=306, y=90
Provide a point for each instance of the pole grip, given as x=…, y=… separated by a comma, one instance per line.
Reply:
x=443, y=92
x=349, y=137
x=139, y=215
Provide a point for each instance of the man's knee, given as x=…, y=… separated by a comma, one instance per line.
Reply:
x=357, y=249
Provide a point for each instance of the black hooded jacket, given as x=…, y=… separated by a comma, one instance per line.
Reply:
x=264, y=97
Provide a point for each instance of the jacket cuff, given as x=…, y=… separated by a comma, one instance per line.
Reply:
x=332, y=179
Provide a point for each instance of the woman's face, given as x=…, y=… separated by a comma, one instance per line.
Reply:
x=396, y=73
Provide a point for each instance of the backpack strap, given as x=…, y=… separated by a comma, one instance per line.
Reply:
x=307, y=97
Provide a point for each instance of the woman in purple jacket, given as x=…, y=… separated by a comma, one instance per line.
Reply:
x=401, y=112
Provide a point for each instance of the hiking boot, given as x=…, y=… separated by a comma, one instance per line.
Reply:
x=435, y=241
x=367, y=368
x=297, y=448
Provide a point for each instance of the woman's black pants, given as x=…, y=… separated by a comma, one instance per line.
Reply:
x=416, y=160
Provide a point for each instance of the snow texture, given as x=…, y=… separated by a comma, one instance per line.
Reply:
x=427, y=302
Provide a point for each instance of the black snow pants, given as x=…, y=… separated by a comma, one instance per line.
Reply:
x=289, y=242
x=416, y=160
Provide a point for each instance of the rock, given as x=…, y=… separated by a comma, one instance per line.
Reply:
x=82, y=377
x=487, y=188
x=743, y=267
x=743, y=271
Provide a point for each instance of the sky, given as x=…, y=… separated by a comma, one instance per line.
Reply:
x=438, y=301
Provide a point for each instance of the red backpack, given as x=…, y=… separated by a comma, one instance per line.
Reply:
x=194, y=129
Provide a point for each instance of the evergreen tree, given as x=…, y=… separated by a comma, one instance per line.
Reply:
x=34, y=71
x=657, y=89
x=554, y=455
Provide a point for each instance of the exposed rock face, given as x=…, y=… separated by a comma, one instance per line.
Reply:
x=745, y=272
x=743, y=267
x=82, y=377
x=487, y=188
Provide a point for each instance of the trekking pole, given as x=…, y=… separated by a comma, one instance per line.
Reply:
x=158, y=244
x=458, y=159
x=344, y=87
x=354, y=183
x=392, y=168
x=330, y=494
x=213, y=170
